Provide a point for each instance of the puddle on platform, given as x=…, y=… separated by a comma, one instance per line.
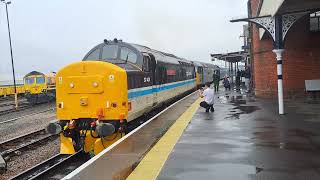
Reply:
x=243, y=110
x=247, y=109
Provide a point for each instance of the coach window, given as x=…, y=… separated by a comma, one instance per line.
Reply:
x=94, y=55
x=315, y=22
x=146, y=64
x=128, y=55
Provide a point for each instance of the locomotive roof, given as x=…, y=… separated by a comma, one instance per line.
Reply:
x=33, y=73
x=159, y=55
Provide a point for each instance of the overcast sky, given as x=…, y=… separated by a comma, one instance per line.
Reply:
x=47, y=35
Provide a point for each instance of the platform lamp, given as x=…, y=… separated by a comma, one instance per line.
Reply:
x=12, y=64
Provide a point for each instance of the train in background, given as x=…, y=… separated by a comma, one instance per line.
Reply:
x=205, y=72
x=114, y=84
x=39, y=87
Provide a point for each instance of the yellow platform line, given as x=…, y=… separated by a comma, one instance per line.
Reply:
x=151, y=165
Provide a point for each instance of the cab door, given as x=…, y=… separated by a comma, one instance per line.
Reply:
x=148, y=68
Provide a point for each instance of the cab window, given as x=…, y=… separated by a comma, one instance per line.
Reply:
x=146, y=64
x=29, y=80
x=40, y=80
x=109, y=52
x=128, y=55
x=94, y=55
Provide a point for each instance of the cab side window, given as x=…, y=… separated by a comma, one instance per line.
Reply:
x=94, y=55
x=128, y=55
x=146, y=64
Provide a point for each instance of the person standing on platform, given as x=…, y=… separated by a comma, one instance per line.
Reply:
x=216, y=81
x=247, y=77
x=226, y=83
x=208, y=95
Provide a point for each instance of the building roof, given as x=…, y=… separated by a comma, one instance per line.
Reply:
x=232, y=57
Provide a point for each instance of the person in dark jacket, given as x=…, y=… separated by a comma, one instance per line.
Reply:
x=216, y=81
x=226, y=83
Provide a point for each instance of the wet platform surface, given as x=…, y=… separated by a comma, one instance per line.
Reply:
x=245, y=138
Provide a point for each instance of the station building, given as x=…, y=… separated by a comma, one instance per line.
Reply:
x=298, y=36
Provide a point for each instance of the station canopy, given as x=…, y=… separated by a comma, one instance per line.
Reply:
x=232, y=57
x=273, y=7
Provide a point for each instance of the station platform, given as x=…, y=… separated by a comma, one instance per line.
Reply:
x=244, y=139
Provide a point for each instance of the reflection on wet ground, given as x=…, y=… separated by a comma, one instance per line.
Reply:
x=245, y=138
x=239, y=101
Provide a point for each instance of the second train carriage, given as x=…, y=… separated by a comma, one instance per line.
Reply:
x=115, y=83
x=204, y=72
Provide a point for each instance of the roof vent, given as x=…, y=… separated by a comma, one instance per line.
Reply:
x=106, y=41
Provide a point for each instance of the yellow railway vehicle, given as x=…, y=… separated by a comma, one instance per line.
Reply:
x=39, y=87
x=9, y=90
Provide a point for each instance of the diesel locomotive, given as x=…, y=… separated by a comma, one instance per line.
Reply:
x=115, y=83
x=39, y=87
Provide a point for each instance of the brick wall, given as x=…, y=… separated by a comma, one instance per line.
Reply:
x=301, y=60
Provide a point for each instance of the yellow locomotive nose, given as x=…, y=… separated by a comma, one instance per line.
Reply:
x=83, y=88
x=92, y=98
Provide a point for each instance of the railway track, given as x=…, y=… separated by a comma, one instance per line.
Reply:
x=15, y=146
x=54, y=168
x=28, y=115
x=11, y=110
x=7, y=98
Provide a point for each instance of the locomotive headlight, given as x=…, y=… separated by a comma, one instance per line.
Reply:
x=71, y=85
x=95, y=84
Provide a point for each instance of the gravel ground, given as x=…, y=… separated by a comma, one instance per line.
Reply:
x=9, y=104
x=35, y=108
x=26, y=125
x=23, y=126
x=30, y=158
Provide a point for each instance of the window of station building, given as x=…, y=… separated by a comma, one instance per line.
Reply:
x=109, y=52
x=95, y=55
x=315, y=22
x=128, y=55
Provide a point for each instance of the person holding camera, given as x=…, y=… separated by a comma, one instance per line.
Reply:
x=208, y=95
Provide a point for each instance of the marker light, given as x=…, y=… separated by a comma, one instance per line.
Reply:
x=71, y=85
x=95, y=84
